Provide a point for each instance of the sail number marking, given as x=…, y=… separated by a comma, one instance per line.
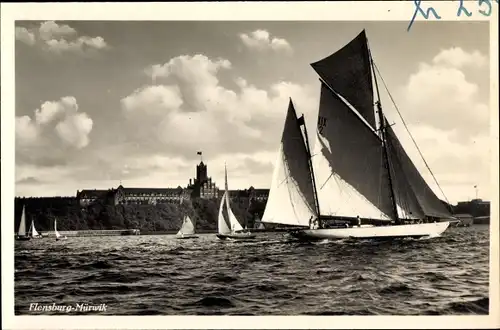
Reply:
x=321, y=124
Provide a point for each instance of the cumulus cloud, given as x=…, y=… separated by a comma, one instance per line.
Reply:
x=59, y=38
x=456, y=57
x=24, y=35
x=58, y=128
x=439, y=94
x=192, y=110
x=261, y=40
x=449, y=120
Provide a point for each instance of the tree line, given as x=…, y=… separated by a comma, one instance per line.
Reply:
x=101, y=215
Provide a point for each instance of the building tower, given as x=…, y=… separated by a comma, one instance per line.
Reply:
x=201, y=173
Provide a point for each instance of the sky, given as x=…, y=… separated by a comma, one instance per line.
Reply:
x=104, y=102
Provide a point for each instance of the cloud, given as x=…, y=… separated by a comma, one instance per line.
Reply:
x=440, y=95
x=256, y=166
x=27, y=180
x=160, y=129
x=190, y=110
x=24, y=35
x=74, y=130
x=58, y=130
x=50, y=29
x=59, y=38
x=449, y=121
x=261, y=40
x=457, y=58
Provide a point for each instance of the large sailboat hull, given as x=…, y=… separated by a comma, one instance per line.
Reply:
x=235, y=236
x=23, y=238
x=430, y=230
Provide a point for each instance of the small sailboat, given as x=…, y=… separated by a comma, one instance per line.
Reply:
x=359, y=178
x=59, y=237
x=187, y=230
x=228, y=225
x=21, y=232
x=33, y=232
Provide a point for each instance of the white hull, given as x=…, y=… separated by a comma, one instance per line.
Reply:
x=235, y=236
x=397, y=231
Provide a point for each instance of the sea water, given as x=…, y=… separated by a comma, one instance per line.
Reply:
x=272, y=275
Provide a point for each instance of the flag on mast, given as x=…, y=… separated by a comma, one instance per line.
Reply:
x=199, y=153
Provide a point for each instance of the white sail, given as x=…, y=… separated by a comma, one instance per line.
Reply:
x=55, y=229
x=34, y=232
x=291, y=197
x=187, y=227
x=22, y=225
x=223, y=220
x=227, y=220
x=235, y=224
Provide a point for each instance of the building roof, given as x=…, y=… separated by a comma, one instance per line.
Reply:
x=152, y=190
x=92, y=193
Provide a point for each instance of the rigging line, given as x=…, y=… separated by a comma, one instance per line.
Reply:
x=409, y=133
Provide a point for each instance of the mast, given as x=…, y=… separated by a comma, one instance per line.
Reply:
x=382, y=129
x=309, y=156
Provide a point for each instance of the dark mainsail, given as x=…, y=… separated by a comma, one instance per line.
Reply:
x=428, y=202
x=348, y=73
x=348, y=163
x=295, y=155
x=357, y=172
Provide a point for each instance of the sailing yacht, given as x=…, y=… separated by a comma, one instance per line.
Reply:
x=187, y=230
x=358, y=176
x=21, y=232
x=33, y=232
x=59, y=237
x=229, y=228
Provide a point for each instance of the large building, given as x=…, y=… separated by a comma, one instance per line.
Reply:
x=476, y=208
x=200, y=187
x=123, y=195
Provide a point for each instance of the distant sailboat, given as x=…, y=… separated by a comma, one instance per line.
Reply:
x=59, y=237
x=33, y=232
x=228, y=225
x=364, y=176
x=187, y=230
x=21, y=232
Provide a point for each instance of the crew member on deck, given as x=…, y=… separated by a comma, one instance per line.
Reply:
x=315, y=223
x=359, y=221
